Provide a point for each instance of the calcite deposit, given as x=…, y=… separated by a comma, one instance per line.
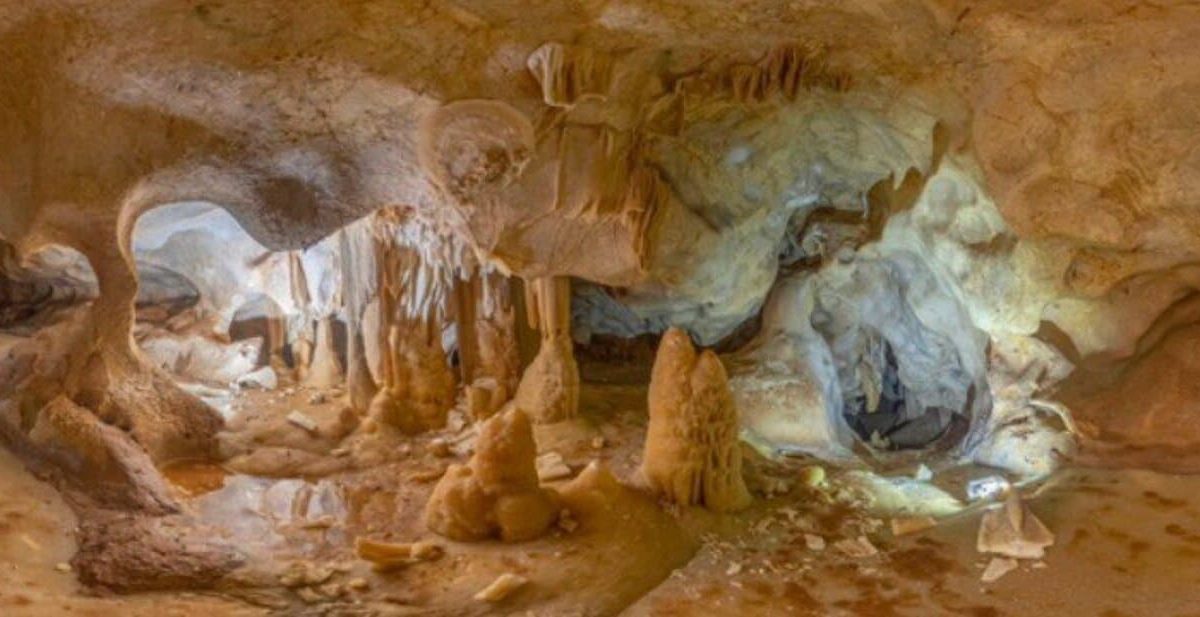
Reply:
x=497, y=494
x=275, y=276
x=692, y=456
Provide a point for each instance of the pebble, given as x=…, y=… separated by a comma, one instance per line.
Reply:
x=998, y=567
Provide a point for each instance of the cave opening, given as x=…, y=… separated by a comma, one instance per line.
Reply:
x=883, y=417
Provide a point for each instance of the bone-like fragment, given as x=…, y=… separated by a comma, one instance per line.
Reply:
x=504, y=586
x=551, y=467
x=303, y=421
x=388, y=555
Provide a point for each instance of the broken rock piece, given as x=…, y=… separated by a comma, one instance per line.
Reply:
x=550, y=467
x=857, y=548
x=988, y=487
x=496, y=495
x=814, y=542
x=261, y=379
x=692, y=455
x=504, y=586
x=911, y=524
x=996, y=568
x=1013, y=531
x=303, y=421
x=389, y=556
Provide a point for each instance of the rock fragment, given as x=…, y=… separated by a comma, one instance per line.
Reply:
x=996, y=568
x=857, y=548
x=550, y=467
x=905, y=525
x=504, y=586
x=1013, y=531
x=303, y=421
x=389, y=556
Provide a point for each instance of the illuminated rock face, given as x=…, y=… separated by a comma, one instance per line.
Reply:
x=692, y=455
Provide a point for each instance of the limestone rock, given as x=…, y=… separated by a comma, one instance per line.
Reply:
x=389, y=556
x=99, y=459
x=1013, y=531
x=495, y=495
x=549, y=389
x=504, y=586
x=692, y=454
x=550, y=385
x=263, y=379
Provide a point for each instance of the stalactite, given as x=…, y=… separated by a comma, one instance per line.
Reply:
x=418, y=387
x=302, y=346
x=359, y=383
x=487, y=341
x=549, y=390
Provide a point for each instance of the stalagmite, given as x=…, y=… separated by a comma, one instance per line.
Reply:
x=418, y=387
x=302, y=347
x=549, y=390
x=325, y=371
x=496, y=495
x=353, y=242
x=692, y=455
x=487, y=341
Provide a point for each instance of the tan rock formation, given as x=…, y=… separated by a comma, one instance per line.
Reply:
x=692, y=455
x=487, y=341
x=418, y=387
x=549, y=389
x=99, y=459
x=496, y=495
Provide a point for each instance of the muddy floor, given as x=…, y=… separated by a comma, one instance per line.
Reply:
x=1128, y=542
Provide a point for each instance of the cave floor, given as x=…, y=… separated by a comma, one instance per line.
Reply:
x=1128, y=542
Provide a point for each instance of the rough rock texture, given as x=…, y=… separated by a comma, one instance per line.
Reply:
x=1028, y=433
x=549, y=389
x=416, y=385
x=128, y=554
x=1148, y=403
x=692, y=455
x=98, y=459
x=77, y=359
x=496, y=495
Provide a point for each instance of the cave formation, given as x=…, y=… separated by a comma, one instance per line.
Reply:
x=602, y=307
